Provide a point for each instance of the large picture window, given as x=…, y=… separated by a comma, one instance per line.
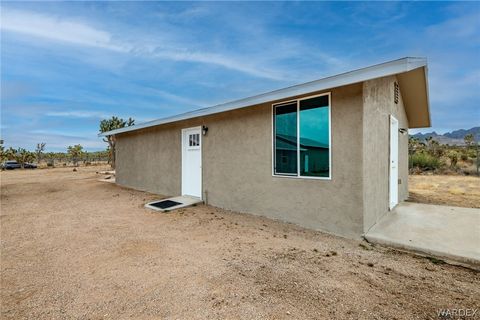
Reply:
x=302, y=137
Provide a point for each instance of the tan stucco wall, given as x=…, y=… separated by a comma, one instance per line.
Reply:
x=378, y=101
x=237, y=166
x=150, y=160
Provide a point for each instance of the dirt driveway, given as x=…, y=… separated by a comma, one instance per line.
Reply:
x=72, y=247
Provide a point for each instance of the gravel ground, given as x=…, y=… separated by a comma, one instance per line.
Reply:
x=76, y=248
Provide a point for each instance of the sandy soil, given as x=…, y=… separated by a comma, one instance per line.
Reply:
x=73, y=247
x=453, y=190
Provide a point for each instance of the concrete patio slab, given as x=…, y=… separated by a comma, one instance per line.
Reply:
x=186, y=201
x=452, y=233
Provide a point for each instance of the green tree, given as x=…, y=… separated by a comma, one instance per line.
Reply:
x=414, y=144
x=75, y=152
x=51, y=156
x=453, y=156
x=3, y=155
x=469, y=140
x=11, y=154
x=23, y=156
x=39, y=151
x=432, y=146
x=112, y=124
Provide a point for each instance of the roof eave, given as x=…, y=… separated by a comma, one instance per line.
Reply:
x=414, y=90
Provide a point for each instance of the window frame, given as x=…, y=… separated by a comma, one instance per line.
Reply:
x=193, y=140
x=297, y=175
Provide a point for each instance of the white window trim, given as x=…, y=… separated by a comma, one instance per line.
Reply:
x=298, y=176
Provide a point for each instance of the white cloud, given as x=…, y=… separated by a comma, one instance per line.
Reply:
x=464, y=26
x=220, y=60
x=89, y=114
x=56, y=28
x=187, y=102
x=77, y=114
x=80, y=33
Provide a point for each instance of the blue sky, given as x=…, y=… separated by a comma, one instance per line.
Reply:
x=65, y=66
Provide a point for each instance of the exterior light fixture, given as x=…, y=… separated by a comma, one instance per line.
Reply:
x=204, y=130
x=403, y=130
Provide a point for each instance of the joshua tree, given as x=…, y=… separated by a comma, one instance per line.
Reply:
x=470, y=143
x=453, y=155
x=414, y=145
x=23, y=156
x=432, y=146
x=39, y=150
x=50, y=159
x=75, y=152
x=3, y=156
x=469, y=140
x=112, y=124
x=10, y=154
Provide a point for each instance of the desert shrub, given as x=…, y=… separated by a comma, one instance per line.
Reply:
x=464, y=157
x=471, y=153
x=424, y=161
x=453, y=156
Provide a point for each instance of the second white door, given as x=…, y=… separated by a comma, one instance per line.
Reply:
x=393, y=162
x=192, y=162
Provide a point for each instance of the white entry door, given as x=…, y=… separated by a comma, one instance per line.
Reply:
x=393, y=162
x=192, y=162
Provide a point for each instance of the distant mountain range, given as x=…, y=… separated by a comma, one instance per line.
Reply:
x=451, y=138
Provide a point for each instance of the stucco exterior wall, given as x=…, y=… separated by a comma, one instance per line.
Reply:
x=150, y=160
x=237, y=166
x=378, y=102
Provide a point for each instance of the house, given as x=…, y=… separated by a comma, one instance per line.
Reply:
x=330, y=154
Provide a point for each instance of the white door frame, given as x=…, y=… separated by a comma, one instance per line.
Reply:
x=184, y=178
x=393, y=163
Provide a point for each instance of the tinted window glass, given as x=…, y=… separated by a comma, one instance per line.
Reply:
x=285, y=123
x=314, y=137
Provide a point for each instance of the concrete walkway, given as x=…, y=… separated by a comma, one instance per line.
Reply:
x=452, y=233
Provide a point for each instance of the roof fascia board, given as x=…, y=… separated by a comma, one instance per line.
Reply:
x=425, y=69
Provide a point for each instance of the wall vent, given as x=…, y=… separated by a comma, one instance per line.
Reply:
x=396, y=92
